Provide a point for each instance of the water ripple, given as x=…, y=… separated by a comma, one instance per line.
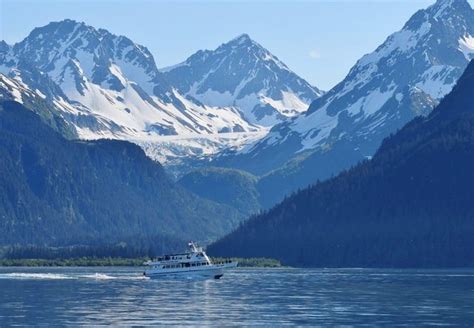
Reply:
x=123, y=297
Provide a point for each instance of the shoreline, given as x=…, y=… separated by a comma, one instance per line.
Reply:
x=123, y=262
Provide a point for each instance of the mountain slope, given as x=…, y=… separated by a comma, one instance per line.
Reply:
x=243, y=74
x=13, y=88
x=403, y=78
x=225, y=186
x=410, y=206
x=58, y=192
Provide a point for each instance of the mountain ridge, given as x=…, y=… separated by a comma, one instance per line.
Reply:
x=107, y=86
x=404, y=77
x=254, y=80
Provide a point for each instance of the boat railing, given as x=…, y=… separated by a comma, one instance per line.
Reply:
x=223, y=262
x=157, y=262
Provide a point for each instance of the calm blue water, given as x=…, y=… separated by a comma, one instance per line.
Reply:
x=117, y=296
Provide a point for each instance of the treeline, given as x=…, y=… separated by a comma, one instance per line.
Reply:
x=259, y=262
x=19, y=252
x=119, y=261
x=75, y=262
x=138, y=247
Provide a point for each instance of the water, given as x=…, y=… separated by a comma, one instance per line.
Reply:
x=323, y=297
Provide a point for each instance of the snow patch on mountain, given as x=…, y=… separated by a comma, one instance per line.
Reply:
x=435, y=81
x=466, y=45
x=401, y=42
x=311, y=135
x=12, y=89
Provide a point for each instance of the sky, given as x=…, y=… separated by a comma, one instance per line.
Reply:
x=320, y=40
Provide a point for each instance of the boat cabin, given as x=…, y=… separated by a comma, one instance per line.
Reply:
x=196, y=257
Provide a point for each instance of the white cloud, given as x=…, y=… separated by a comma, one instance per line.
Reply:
x=314, y=54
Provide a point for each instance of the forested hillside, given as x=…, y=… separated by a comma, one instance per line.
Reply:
x=226, y=186
x=412, y=205
x=59, y=192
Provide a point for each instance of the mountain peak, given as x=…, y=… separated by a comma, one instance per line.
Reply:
x=71, y=37
x=241, y=39
x=245, y=46
x=69, y=21
x=53, y=34
x=449, y=14
x=446, y=6
x=241, y=73
x=64, y=25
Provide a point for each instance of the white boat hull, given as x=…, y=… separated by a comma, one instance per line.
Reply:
x=210, y=271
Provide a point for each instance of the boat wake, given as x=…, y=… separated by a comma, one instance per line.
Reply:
x=57, y=276
x=101, y=276
x=34, y=276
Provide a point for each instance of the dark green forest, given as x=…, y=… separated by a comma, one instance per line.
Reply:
x=58, y=192
x=226, y=186
x=412, y=205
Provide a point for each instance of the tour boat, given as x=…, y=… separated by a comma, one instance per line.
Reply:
x=195, y=262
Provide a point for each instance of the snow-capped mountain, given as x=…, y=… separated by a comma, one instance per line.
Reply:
x=243, y=74
x=109, y=86
x=406, y=76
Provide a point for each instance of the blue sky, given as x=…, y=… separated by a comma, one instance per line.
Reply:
x=319, y=40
